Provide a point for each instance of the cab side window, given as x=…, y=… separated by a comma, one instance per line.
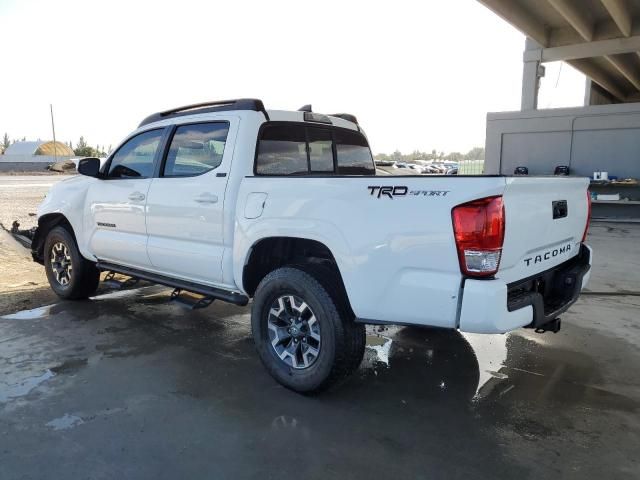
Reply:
x=135, y=158
x=196, y=149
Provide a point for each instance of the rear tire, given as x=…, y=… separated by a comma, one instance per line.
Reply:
x=287, y=338
x=70, y=275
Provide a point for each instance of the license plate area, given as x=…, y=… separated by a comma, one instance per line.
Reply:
x=551, y=292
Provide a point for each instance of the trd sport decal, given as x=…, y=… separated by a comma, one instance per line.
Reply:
x=402, y=191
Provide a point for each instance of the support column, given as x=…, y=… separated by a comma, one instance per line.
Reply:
x=531, y=73
x=587, y=92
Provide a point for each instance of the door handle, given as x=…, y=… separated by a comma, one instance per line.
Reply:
x=207, y=198
x=137, y=196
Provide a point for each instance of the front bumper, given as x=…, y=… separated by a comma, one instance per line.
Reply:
x=492, y=306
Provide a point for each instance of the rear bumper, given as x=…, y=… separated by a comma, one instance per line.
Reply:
x=492, y=306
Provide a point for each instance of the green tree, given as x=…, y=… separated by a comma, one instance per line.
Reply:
x=83, y=149
x=454, y=156
x=5, y=142
x=476, y=153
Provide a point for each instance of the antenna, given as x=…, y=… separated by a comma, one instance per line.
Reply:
x=53, y=128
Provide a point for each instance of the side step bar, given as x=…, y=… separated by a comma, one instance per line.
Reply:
x=110, y=281
x=190, y=302
x=207, y=291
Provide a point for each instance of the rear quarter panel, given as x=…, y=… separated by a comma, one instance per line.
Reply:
x=396, y=255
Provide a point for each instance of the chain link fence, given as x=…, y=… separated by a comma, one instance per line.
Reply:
x=471, y=167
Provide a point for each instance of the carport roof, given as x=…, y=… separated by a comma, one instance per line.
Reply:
x=600, y=38
x=23, y=148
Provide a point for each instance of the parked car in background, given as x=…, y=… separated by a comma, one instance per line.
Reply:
x=384, y=163
x=432, y=169
x=416, y=168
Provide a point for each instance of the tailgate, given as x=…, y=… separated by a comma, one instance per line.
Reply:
x=545, y=218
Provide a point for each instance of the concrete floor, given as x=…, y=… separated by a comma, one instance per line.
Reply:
x=129, y=386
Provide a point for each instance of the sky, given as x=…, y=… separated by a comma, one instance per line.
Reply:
x=417, y=74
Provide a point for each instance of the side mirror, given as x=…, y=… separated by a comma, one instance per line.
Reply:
x=89, y=166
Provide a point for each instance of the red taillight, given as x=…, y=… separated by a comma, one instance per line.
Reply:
x=479, y=231
x=586, y=227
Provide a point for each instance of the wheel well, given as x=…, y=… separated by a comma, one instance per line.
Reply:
x=45, y=224
x=269, y=254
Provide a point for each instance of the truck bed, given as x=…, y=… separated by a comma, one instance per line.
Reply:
x=392, y=236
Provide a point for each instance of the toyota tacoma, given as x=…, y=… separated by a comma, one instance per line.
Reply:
x=232, y=202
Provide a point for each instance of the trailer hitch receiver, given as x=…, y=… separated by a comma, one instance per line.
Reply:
x=551, y=326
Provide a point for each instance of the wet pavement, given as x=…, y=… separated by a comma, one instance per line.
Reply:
x=128, y=385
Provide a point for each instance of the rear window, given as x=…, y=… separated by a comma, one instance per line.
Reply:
x=282, y=151
x=297, y=149
x=320, y=141
x=353, y=154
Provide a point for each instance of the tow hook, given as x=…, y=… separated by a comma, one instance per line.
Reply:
x=551, y=326
x=24, y=236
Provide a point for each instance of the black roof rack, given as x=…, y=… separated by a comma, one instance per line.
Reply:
x=345, y=116
x=206, y=107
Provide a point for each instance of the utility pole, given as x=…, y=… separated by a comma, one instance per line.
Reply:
x=53, y=128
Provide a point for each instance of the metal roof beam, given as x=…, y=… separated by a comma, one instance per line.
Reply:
x=628, y=71
x=515, y=14
x=620, y=14
x=575, y=16
x=598, y=76
x=600, y=48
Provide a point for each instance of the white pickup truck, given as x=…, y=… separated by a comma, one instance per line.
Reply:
x=232, y=202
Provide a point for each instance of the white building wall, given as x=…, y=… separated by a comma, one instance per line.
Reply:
x=588, y=139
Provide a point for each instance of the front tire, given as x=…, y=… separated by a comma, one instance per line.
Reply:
x=70, y=275
x=303, y=330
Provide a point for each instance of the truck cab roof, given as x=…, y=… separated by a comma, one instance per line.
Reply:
x=245, y=105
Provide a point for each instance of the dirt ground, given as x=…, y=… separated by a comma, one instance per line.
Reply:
x=23, y=283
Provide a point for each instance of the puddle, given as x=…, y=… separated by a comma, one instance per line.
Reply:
x=32, y=314
x=119, y=294
x=70, y=366
x=65, y=422
x=25, y=387
x=41, y=312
